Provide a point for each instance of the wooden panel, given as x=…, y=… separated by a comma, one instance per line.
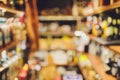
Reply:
x=35, y=22
x=87, y=12
x=32, y=25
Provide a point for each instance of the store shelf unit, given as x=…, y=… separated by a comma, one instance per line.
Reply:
x=113, y=45
x=10, y=61
x=91, y=11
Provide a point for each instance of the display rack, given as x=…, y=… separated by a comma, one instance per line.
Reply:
x=91, y=11
x=13, y=43
x=113, y=45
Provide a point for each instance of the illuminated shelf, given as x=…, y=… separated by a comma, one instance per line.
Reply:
x=98, y=66
x=91, y=11
x=12, y=10
x=9, y=46
x=103, y=41
x=59, y=18
x=56, y=34
x=115, y=48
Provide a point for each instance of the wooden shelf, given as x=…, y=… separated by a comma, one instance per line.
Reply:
x=91, y=11
x=104, y=41
x=17, y=12
x=57, y=34
x=115, y=48
x=57, y=49
x=9, y=46
x=92, y=37
x=59, y=18
x=83, y=71
x=98, y=66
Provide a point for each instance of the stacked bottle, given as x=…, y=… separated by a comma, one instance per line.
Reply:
x=106, y=27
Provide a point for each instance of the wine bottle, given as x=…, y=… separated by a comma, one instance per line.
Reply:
x=109, y=30
x=100, y=30
x=118, y=25
x=95, y=26
x=112, y=69
x=6, y=31
x=106, y=2
x=105, y=28
x=1, y=38
x=115, y=28
x=19, y=4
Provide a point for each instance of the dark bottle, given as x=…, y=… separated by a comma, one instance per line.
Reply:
x=112, y=67
x=4, y=74
x=19, y=4
x=11, y=3
x=4, y=28
x=106, y=2
x=11, y=35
